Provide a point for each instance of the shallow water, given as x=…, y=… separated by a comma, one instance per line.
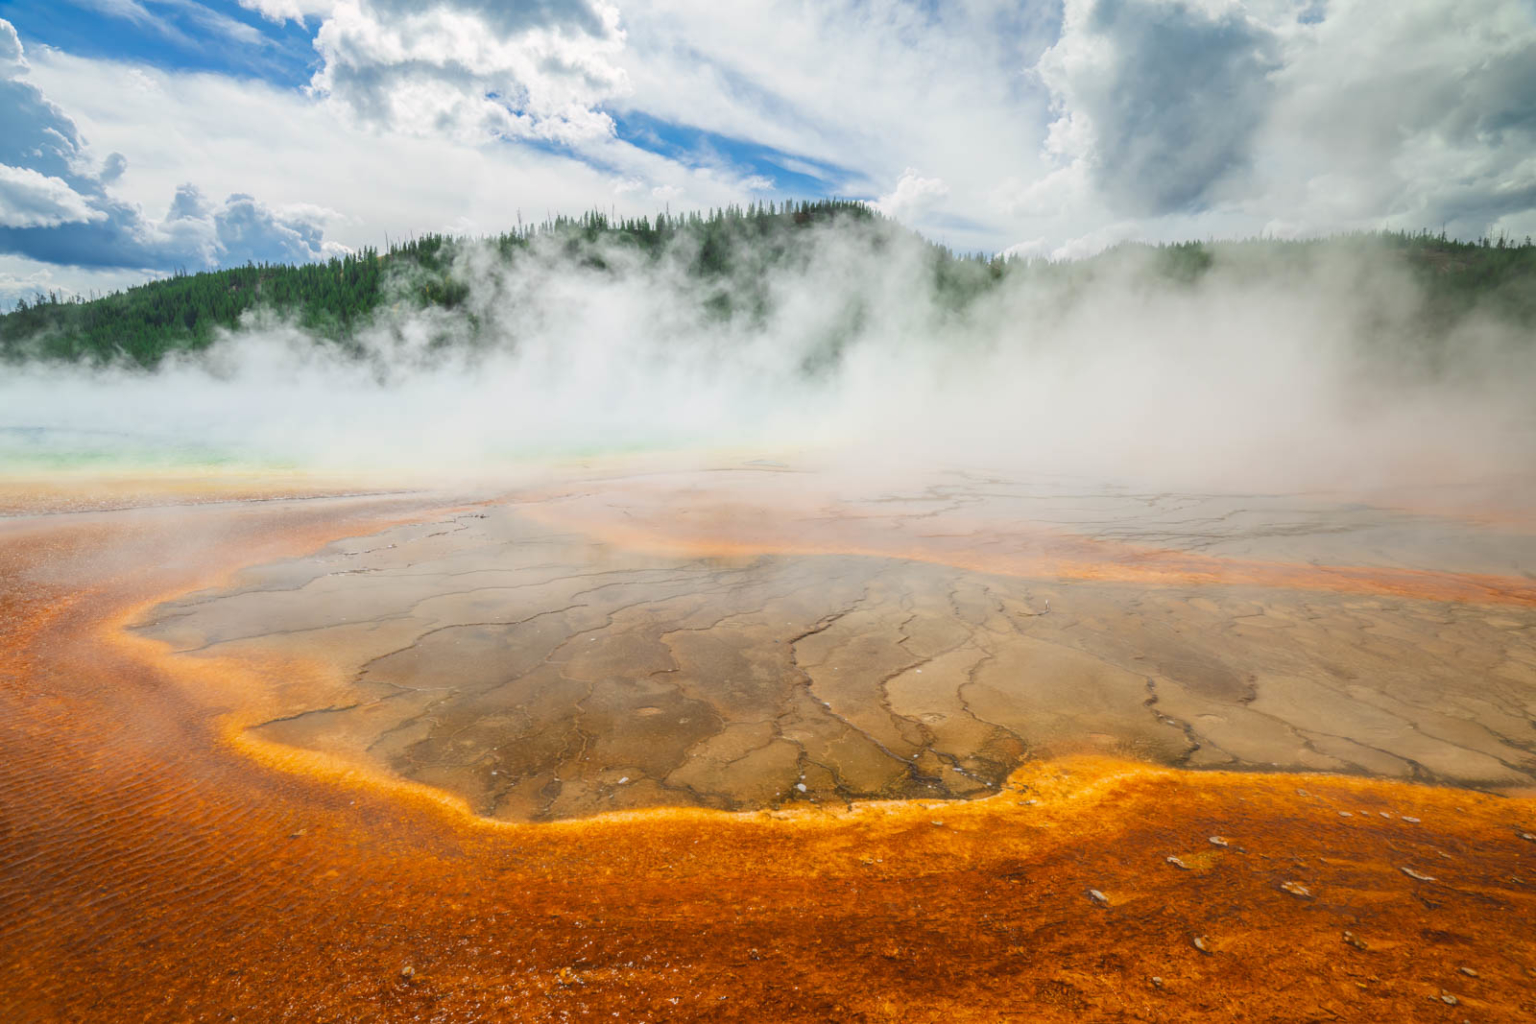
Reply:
x=755, y=637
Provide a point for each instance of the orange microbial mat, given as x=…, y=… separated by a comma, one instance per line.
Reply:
x=735, y=746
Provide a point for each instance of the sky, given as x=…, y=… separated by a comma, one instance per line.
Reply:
x=139, y=138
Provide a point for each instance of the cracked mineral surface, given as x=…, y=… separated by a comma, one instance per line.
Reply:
x=758, y=636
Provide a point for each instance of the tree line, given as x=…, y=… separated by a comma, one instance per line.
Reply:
x=730, y=251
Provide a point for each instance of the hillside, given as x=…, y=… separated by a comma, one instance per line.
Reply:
x=729, y=253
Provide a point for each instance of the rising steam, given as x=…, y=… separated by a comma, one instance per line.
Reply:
x=1310, y=374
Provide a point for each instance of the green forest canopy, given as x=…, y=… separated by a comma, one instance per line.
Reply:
x=334, y=299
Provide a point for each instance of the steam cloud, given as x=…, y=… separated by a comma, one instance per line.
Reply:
x=1251, y=378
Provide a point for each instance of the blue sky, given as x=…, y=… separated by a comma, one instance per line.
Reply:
x=151, y=135
x=210, y=35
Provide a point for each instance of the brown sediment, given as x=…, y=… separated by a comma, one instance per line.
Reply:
x=150, y=871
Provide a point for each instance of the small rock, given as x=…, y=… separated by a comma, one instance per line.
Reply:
x=1218, y=841
x=1411, y=821
x=624, y=780
x=1297, y=889
x=1469, y=972
x=1384, y=814
x=1157, y=982
x=939, y=823
x=1416, y=876
x=1177, y=863
x=1448, y=999
x=299, y=834
x=1201, y=943
x=800, y=786
x=1346, y=814
x=1528, y=837
x=1354, y=940
x=407, y=972
x=1098, y=898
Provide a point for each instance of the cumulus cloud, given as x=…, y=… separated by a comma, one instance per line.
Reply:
x=32, y=200
x=1159, y=101
x=282, y=11
x=474, y=69
x=55, y=206
x=113, y=167
x=913, y=194
x=1419, y=114
x=246, y=230
x=1197, y=117
x=10, y=46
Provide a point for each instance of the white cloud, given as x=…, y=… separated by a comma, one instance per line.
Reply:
x=234, y=136
x=1187, y=119
x=870, y=88
x=10, y=47
x=156, y=15
x=281, y=11
x=56, y=207
x=912, y=195
x=1158, y=101
x=32, y=200
x=1070, y=126
x=1414, y=115
x=474, y=70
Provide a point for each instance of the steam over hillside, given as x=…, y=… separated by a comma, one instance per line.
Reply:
x=1356, y=362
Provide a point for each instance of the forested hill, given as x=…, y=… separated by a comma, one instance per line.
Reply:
x=728, y=251
x=335, y=298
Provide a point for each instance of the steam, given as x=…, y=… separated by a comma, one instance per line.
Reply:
x=1312, y=375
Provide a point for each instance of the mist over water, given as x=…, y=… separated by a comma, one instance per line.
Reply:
x=1306, y=375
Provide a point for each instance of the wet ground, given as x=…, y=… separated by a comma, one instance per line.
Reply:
x=549, y=656
x=346, y=759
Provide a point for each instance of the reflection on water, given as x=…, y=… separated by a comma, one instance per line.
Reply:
x=750, y=638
